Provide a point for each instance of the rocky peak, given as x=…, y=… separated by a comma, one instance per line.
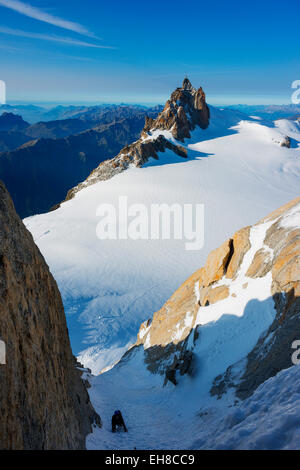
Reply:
x=185, y=110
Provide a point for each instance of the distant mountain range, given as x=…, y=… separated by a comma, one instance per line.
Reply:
x=14, y=131
x=33, y=113
x=62, y=121
x=39, y=163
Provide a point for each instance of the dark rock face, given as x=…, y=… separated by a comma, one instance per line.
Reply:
x=185, y=110
x=43, y=401
x=10, y=140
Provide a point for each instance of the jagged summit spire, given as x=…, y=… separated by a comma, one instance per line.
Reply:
x=186, y=84
x=185, y=110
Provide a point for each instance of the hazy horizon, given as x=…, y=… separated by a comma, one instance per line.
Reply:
x=51, y=104
x=139, y=53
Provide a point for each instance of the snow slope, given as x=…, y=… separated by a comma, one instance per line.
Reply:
x=236, y=168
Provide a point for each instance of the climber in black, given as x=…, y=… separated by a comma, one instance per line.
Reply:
x=117, y=421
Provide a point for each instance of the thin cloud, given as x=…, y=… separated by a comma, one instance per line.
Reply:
x=10, y=48
x=38, y=14
x=46, y=37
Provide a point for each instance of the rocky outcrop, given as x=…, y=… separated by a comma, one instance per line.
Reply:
x=171, y=318
x=170, y=361
x=43, y=401
x=135, y=154
x=184, y=111
x=240, y=246
x=269, y=248
x=201, y=289
x=273, y=351
x=286, y=142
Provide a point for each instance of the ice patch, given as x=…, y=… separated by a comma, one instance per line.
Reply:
x=292, y=219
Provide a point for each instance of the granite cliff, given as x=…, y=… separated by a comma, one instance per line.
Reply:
x=44, y=403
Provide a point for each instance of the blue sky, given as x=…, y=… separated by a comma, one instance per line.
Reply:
x=135, y=51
